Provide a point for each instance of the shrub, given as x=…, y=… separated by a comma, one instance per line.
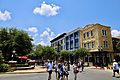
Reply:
x=1, y=58
x=119, y=63
x=4, y=67
x=22, y=65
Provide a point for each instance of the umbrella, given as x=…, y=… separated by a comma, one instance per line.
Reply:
x=23, y=57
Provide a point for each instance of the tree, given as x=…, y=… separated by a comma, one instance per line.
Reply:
x=12, y=39
x=48, y=52
x=65, y=54
x=1, y=58
x=81, y=52
x=38, y=51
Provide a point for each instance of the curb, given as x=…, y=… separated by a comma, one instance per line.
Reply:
x=24, y=72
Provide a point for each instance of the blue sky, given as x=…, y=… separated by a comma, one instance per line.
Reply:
x=45, y=19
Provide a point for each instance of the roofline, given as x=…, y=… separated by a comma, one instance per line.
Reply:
x=57, y=37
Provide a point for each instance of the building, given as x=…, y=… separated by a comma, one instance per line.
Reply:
x=94, y=37
x=115, y=41
x=58, y=43
x=72, y=39
x=97, y=39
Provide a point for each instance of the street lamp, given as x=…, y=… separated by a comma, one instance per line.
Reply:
x=13, y=54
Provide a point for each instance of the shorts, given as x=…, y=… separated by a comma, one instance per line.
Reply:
x=50, y=72
x=116, y=71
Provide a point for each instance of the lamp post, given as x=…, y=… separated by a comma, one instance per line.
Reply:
x=13, y=54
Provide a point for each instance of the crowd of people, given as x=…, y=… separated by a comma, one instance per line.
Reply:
x=62, y=68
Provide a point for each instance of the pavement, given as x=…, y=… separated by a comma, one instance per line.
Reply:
x=40, y=69
x=37, y=69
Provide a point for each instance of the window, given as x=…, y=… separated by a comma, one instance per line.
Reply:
x=61, y=41
x=88, y=34
x=88, y=45
x=105, y=44
x=76, y=35
x=84, y=35
x=71, y=37
x=84, y=45
x=92, y=44
x=67, y=45
x=76, y=43
x=104, y=33
x=71, y=44
x=91, y=33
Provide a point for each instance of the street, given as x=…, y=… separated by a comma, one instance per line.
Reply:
x=87, y=74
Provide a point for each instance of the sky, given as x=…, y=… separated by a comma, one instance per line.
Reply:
x=46, y=19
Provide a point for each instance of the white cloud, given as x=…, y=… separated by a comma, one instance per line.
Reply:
x=46, y=36
x=115, y=33
x=33, y=29
x=42, y=43
x=5, y=16
x=47, y=9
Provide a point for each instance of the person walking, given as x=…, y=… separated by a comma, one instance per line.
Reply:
x=82, y=64
x=66, y=73
x=75, y=70
x=49, y=69
x=79, y=65
x=56, y=70
x=115, y=67
x=61, y=71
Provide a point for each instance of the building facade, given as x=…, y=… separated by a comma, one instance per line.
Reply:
x=94, y=37
x=58, y=43
x=72, y=40
x=97, y=39
x=115, y=41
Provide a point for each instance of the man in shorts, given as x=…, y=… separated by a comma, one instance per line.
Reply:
x=49, y=69
x=115, y=67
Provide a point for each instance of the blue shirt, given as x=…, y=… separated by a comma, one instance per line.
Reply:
x=49, y=66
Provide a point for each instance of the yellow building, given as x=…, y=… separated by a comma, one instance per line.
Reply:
x=98, y=40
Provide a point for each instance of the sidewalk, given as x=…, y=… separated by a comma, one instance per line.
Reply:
x=40, y=69
x=37, y=69
x=99, y=68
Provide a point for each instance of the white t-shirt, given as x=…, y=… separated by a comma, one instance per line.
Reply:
x=115, y=66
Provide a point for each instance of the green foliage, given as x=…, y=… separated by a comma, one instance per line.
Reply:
x=119, y=63
x=4, y=67
x=48, y=52
x=65, y=54
x=38, y=51
x=13, y=39
x=22, y=65
x=82, y=52
x=1, y=58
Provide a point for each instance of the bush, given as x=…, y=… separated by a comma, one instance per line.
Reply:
x=4, y=67
x=119, y=63
x=1, y=58
x=22, y=65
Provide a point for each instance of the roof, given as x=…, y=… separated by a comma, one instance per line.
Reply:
x=116, y=37
x=58, y=37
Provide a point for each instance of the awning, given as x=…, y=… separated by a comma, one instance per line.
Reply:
x=23, y=57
